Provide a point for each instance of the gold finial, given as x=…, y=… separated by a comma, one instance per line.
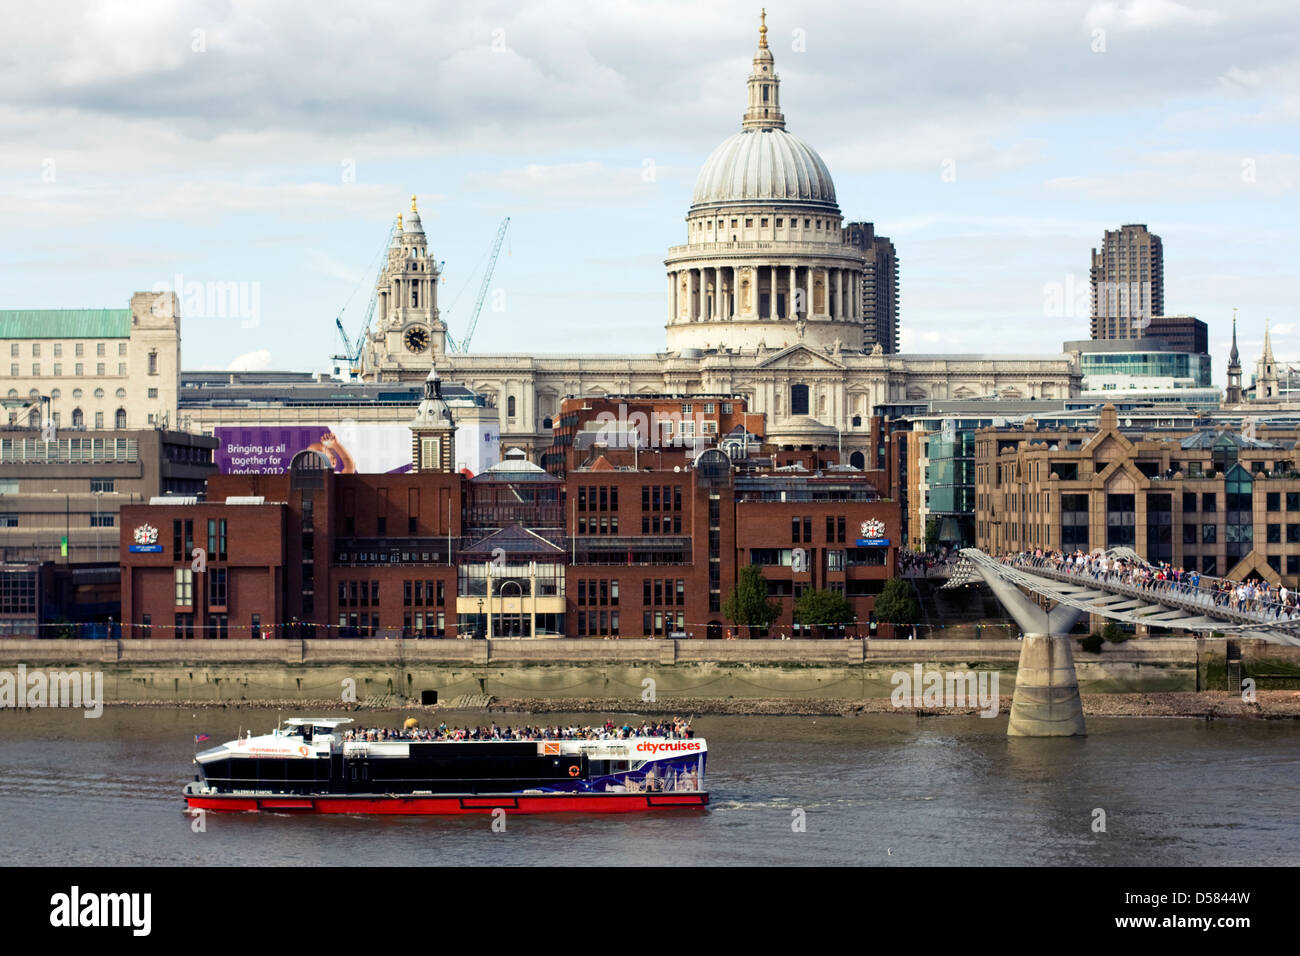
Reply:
x=413, y=209
x=762, y=30
x=399, y=222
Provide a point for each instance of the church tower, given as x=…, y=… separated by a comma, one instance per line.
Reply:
x=1233, y=396
x=1266, y=384
x=433, y=432
x=407, y=329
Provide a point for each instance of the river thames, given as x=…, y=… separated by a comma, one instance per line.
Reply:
x=887, y=790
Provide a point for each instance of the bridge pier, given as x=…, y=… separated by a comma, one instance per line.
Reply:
x=1046, y=702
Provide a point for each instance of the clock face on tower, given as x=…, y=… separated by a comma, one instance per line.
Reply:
x=416, y=338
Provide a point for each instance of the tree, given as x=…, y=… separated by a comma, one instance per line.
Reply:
x=896, y=603
x=748, y=605
x=820, y=608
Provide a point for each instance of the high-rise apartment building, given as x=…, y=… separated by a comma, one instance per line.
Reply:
x=1128, y=286
x=879, y=286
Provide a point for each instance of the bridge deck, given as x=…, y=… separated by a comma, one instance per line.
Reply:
x=1162, y=604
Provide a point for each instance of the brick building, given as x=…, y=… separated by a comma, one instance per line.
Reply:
x=1214, y=500
x=514, y=551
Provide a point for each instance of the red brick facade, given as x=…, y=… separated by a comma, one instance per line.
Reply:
x=631, y=553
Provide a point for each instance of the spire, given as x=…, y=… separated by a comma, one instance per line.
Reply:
x=764, y=111
x=413, y=209
x=1268, y=345
x=1233, y=357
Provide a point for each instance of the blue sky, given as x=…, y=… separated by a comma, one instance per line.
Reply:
x=272, y=144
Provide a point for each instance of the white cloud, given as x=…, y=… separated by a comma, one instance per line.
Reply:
x=1149, y=15
x=250, y=361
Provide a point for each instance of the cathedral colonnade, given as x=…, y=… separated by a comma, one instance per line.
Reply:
x=718, y=292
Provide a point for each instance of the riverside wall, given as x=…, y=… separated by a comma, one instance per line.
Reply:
x=319, y=670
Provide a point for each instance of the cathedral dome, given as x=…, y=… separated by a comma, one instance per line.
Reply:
x=764, y=165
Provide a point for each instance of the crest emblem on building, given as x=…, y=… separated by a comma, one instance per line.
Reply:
x=146, y=534
x=873, y=528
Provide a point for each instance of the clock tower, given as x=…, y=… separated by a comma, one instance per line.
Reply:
x=407, y=331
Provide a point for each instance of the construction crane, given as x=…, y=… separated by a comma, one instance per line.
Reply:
x=463, y=345
x=352, y=349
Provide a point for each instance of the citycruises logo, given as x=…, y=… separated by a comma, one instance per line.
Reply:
x=146, y=534
x=873, y=528
x=675, y=746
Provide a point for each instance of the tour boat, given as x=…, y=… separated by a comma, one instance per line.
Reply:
x=309, y=766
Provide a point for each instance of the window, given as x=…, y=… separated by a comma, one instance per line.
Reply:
x=101, y=484
x=99, y=349
x=36, y=350
x=119, y=420
x=510, y=407
x=184, y=587
x=79, y=369
x=217, y=587
x=121, y=368
x=80, y=349
x=1209, y=533
x=121, y=348
x=153, y=363
x=8, y=519
x=99, y=419
x=217, y=539
x=1273, y=501
x=58, y=369
x=99, y=368
x=798, y=399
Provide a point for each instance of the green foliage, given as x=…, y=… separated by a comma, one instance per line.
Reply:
x=1092, y=643
x=896, y=603
x=820, y=608
x=748, y=605
x=1115, y=634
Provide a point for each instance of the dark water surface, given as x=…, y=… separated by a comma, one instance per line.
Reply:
x=880, y=790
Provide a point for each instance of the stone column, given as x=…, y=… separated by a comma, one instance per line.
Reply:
x=791, y=295
x=672, y=297
x=690, y=295
x=1046, y=702
x=771, y=296
x=383, y=308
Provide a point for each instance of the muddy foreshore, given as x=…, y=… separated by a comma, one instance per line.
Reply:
x=1209, y=705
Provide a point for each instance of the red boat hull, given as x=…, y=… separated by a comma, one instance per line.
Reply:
x=511, y=803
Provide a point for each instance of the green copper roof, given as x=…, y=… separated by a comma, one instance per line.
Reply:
x=65, y=323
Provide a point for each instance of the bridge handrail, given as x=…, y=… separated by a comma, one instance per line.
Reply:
x=1182, y=593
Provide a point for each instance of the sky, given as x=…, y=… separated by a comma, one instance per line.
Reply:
x=266, y=147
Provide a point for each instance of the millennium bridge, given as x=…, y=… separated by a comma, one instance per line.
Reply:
x=1046, y=598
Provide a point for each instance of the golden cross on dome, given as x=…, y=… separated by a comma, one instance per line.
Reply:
x=413, y=209
x=762, y=30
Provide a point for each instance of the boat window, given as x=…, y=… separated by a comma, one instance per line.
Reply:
x=294, y=731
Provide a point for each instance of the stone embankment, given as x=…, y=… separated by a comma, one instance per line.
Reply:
x=1207, y=705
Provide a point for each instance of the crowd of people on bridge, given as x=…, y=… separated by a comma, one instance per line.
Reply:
x=919, y=564
x=1251, y=596
x=676, y=729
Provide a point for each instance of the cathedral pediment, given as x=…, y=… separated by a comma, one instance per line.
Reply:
x=800, y=357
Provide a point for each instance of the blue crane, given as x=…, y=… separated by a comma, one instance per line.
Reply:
x=352, y=349
x=463, y=345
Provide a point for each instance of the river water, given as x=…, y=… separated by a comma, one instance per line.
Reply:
x=888, y=789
